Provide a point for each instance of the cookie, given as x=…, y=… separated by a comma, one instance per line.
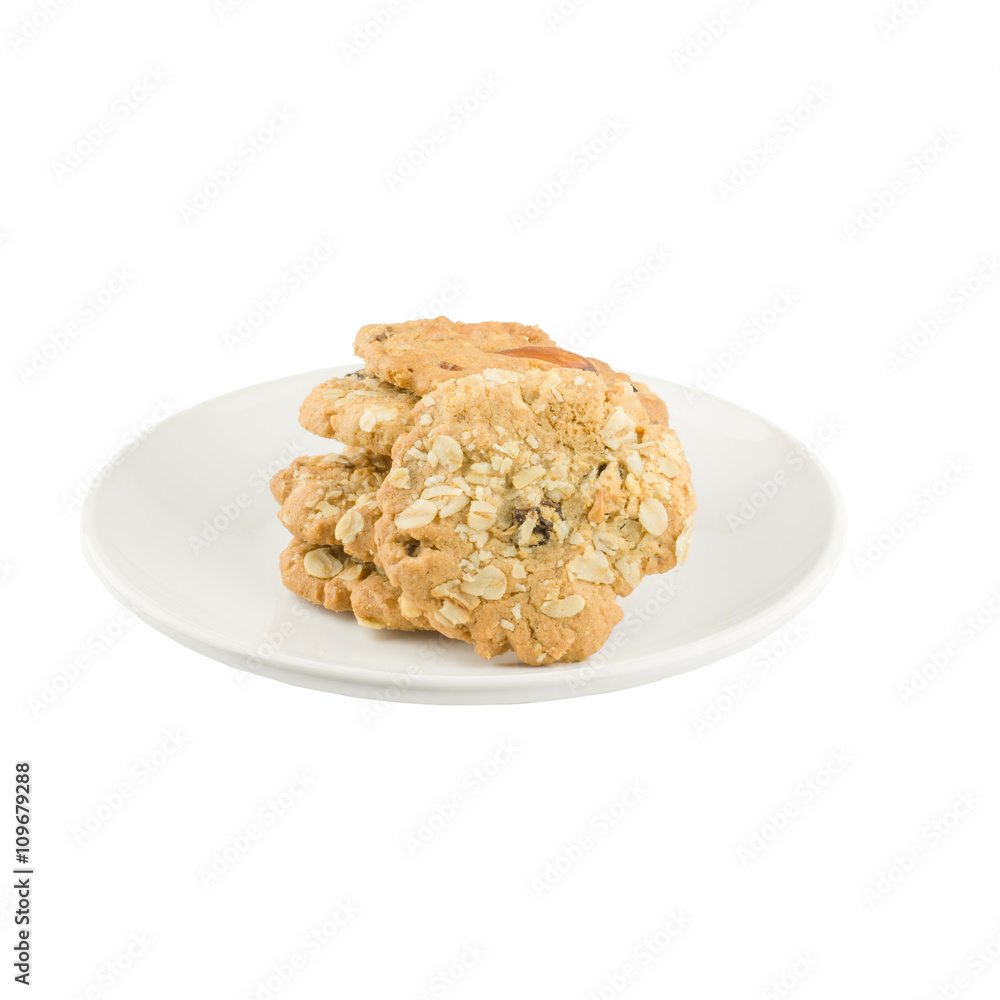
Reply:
x=358, y=409
x=327, y=575
x=521, y=504
x=330, y=499
x=654, y=406
x=421, y=354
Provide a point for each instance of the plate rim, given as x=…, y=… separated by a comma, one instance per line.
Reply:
x=517, y=683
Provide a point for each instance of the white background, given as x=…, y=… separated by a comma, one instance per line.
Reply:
x=706, y=788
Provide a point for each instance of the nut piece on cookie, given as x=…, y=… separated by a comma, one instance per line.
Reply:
x=529, y=500
x=330, y=499
x=328, y=576
x=421, y=354
x=359, y=410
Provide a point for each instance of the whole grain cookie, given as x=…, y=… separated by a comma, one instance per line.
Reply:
x=515, y=514
x=421, y=354
x=359, y=410
x=327, y=575
x=330, y=499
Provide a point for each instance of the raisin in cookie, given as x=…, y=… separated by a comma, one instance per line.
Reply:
x=360, y=410
x=515, y=514
x=330, y=499
x=327, y=575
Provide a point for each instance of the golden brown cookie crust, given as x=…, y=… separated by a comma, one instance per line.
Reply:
x=421, y=354
x=527, y=501
x=528, y=488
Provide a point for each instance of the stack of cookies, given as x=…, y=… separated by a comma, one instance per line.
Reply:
x=494, y=488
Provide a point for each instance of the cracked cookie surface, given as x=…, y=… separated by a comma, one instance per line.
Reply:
x=521, y=503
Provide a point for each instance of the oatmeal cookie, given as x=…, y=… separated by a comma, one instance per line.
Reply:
x=358, y=409
x=327, y=575
x=330, y=499
x=522, y=502
x=421, y=354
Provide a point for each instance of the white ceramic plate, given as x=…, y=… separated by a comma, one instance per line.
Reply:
x=184, y=532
